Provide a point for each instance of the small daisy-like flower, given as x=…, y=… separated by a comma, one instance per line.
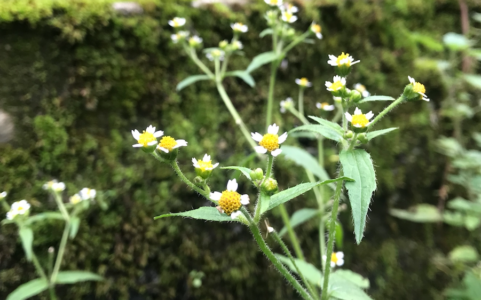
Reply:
x=147, y=138
x=273, y=2
x=289, y=7
x=223, y=44
x=419, y=88
x=75, y=199
x=303, y=82
x=337, y=259
x=18, y=208
x=288, y=17
x=10, y=215
x=342, y=60
x=270, y=141
x=195, y=41
x=204, y=165
x=181, y=35
x=359, y=119
x=325, y=106
x=3, y=195
x=361, y=89
x=337, y=83
x=167, y=144
x=286, y=104
x=87, y=194
x=177, y=22
x=230, y=201
x=316, y=28
x=216, y=53
x=236, y=45
x=239, y=27
x=54, y=185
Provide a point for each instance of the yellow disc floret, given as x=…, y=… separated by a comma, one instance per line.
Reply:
x=360, y=120
x=203, y=165
x=334, y=258
x=303, y=81
x=324, y=104
x=145, y=138
x=270, y=142
x=419, y=88
x=336, y=86
x=230, y=202
x=316, y=28
x=168, y=143
x=341, y=57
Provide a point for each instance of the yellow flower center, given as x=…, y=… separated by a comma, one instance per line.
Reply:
x=336, y=85
x=324, y=104
x=145, y=138
x=176, y=22
x=230, y=202
x=360, y=88
x=273, y=2
x=360, y=120
x=303, y=81
x=419, y=88
x=270, y=142
x=316, y=28
x=168, y=143
x=334, y=258
x=203, y=165
x=75, y=199
x=288, y=16
x=341, y=57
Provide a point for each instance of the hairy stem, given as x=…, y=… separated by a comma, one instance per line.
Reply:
x=385, y=111
x=270, y=97
x=177, y=170
x=292, y=234
x=301, y=101
x=38, y=266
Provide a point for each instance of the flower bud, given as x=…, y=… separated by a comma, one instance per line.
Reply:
x=337, y=100
x=289, y=33
x=198, y=179
x=362, y=138
x=355, y=97
x=3, y=195
x=270, y=186
x=271, y=17
x=223, y=44
x=409, y=94
x=257, y=174
x=349, y=134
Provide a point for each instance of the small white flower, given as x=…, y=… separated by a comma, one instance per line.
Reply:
x=10, y=215
x=337, y=83
x=290, y=8
x=303, y=82
x=76, y=199
x=239, y=27
x=87, y=194
x=361, y=89
x=146, y=138
x=179, y=36
x=286, y=104
x=230, y=201
x=168, y=144
x=316, y=28
x=270, y=141
x=216, y=53
x=419, y=88
x=205, y=164
x=54, y=185
x=3, y=195
x=342, y=60
x=337, y=259
x=195, y=41
x=273, y=2
x=19, y=208
x=325, y=106
x=237, y=45
x=177, y=22
x=359, y=119
x=270, y=229
x=288, y=17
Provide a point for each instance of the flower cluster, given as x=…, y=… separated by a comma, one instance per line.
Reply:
x=147, y=140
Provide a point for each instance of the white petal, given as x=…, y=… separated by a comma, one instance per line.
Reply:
x=158, y=134
x=150, y=129
x=215, y=196
x=333, y=264
x=232, y=185
x=340, y=255
x=309, y=84
x=180, y=143
x=282, y=138
x=332, y=57
x=206, y=157
x=355, y=62
x=163, y=149
x=328, y=84
x=194, y=162
x=270, y=229
x=411, y=80
x=260, y=149
x=171, y=23
x=276, y=152
x=348, y=116
x=318, y=105
x=298, y=81
x=366, y=94
x=234, y=215
x=136, y=134
x=137, y=145
x=343, y=81
x=340, y=262
x=329, y=107
x=256, y=136
x=357, y=111
x=214, y=166
x=369, y=115
x=319, y=35
x=273, y=129
x=152, y=143
x=336, y=78
x=244, y=199
x=358, y=125
x=293, y=19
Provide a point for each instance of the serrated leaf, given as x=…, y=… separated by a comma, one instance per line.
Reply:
x=372, y=134
x=343, y=289
x=29, y=289
x=190, y=80
x=421, y=213
x=354, y=278
x=244, y=76
x=464, y=254
x=69, y=277
x=26, y=236
x=267, y=31
x=304, y=159
x=310, y=272
x=377, y=98
x=74, y=226
x=261, y=59
x=299, y=217
x=357, y=164
x=329, y=124
x=320, y=129
x=44, y=216
x=245, y=171
x=293, y=192
x=202, y=213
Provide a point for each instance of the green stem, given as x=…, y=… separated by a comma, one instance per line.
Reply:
x=177, y=170
x=320, y=203
x=235, y=115
x=270, y=97
x=299, y=116
x=301, y=101
x=270, y=255
x=51, y=290
x=61, y=251
x=288, y=253
x=385, y=111
x=38, y=267
x=353, y=142
x=296, y=41
x=193, y=55
x=61, y=206
x=292, y=234
x=320, y=150
x=270, y=163
x=332, y=232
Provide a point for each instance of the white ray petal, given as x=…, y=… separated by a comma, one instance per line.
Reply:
x=340, y=262
x=282, y=138
x=137, y=145
x=152, y=143
x=245, y=199
x=234, y=215
x=163, y=149
x=369, y=115
x=260, y=149
x=276, y=152
x=256, y=136
x=357, y=111
x=158, y=134
x=340, y=255
x=273, y=129
x=206, y=157
x=136, y=134
x=215, y=196
x=348, y=116
x=232, y=185
x=215, y=166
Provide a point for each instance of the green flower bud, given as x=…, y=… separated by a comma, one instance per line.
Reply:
x=362, y=138
x=197, y=283
x=270, y=186
x=198, y=179
x=348, y=134
x=223, y=44
x=257, y=174
x=355, y=97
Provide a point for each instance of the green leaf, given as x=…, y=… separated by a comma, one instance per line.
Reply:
x=462, y=204
x=453, y=219
x=471, y=222
x=202, y=213
x=339, y=235
x=260, y=60
x=69, y=277
x=29, y=289
x=265, y=200
x=427, y=41
x=353, y=277
x=465, y=254
x=329, y=124
x=357, y=164
x=304, y=159
x=421, y=213
x=74, y=225
x=377, y=98
x=44, y=216
x=474, y=80
x=456, y=41
x=244, y=76
x=26, y=236
x=473, y=286
x=376, y=133
x=343, y=289
x=245, y=171
x=293, y=192
x=190, y=80
x=310, y=272
x=449, y=146
x=477, y=138
x=320, y=129
x=299, y=217
x=267, y=31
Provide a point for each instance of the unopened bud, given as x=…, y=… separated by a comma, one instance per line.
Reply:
x=348, y=134
x=198, y=179
x=362, y=138
x=355, y=97
x=257, y=174
x=270, y=186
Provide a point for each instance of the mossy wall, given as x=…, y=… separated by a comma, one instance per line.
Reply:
x=76, y=77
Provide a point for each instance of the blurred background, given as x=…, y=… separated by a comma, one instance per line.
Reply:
x=77, y=76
